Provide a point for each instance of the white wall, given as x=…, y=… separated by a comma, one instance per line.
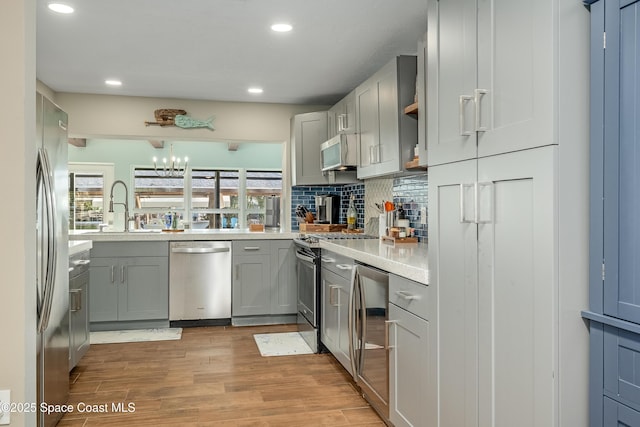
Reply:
x=17, y=251
x=109, y=116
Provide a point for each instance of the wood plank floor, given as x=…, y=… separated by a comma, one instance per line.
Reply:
x=214, y=376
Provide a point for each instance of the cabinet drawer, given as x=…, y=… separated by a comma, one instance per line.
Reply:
x=129, y=249
x=250, y=247
x=410, y=295
x=621, y=360
x=617, y=414
x=338, y=264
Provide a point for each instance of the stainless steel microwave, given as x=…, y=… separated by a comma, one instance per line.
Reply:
x=339, y=153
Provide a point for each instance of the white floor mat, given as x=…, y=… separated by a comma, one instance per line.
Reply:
x=136, y=335
x=281, y=344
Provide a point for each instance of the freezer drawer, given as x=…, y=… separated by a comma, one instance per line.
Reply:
x=199, y=280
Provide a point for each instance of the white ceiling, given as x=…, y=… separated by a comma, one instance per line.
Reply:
x=216, y=49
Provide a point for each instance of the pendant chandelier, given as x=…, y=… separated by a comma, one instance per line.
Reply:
x=172, y=168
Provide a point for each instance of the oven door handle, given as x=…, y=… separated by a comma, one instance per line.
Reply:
x=304, y=257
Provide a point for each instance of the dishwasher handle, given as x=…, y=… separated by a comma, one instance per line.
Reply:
x=199, y=250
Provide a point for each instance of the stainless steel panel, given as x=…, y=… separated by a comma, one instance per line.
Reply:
x=200, y=280
x=307, y=288
x=53, y=342
x=372, y=347
x=308, y=332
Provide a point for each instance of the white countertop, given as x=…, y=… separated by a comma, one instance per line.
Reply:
x=77, y=246
x=194, y=234
x=406, y=260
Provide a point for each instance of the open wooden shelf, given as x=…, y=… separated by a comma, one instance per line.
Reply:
x=411, y=109
x=414, y=166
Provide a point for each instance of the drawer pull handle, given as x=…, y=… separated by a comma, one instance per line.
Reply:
x=406, y=295
x=251, y=248
x=344, y=266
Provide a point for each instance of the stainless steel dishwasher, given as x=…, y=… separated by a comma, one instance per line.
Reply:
x=200, y=283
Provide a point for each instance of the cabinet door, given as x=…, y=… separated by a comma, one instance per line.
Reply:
x=453, y=267
x=348, y=122
x=251, y=285
x=284, y=289
x=144, y=290
x=308, y=131
x=368, y=126
x=451, y=77
x=516, y=69
x=621, y=161
x=342, y=352
x=618, y=415
x=517, y=288
x=388, y=119
x=421, y=90
x=409, y=367
x=104, y=283
x=330, y=311
x=79, y=337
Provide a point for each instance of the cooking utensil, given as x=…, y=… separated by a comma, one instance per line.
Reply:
x=388, y=206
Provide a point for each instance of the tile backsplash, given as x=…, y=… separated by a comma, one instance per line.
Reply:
x=305, y=195
x=410, y=191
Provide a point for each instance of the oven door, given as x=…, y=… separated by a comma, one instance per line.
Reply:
x=307, y=276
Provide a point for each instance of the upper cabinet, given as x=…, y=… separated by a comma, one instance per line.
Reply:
x=491, y=75
x=342, y=116
x=308, y=132
x=421, y=92
x=386, y=136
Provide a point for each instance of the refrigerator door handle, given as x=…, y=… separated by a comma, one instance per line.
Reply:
x=44, y=176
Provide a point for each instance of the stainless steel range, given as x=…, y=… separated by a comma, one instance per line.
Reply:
x=308, y=276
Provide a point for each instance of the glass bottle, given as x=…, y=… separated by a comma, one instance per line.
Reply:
x=352, y=214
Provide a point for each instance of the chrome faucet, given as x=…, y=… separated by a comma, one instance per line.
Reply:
x=125, y=204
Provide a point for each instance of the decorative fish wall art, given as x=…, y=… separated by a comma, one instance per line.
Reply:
x=179, y=118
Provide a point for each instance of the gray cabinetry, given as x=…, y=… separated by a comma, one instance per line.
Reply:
x=264, y=282
x=308, y=131
x=496, y=287
x=127, y=286
x=78, y=306
x=342, y=116
x=251, y=290
x=412, y=355
x=386, y=136
x=492, y=77
x=284, y=291
x=421, y=91
x=336, y=290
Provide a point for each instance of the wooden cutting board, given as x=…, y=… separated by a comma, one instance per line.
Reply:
x=321, y=228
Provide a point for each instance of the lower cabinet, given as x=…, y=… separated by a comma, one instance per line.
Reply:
x=79, y=335
x=618, y=415
x=126, y=286
x=264, y=281
x=411, y=355
x=334, y=330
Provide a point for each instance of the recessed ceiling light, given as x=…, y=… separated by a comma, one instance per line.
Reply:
x=281, y=28
x=113, y=82
x=60, y=8
x=255, y=90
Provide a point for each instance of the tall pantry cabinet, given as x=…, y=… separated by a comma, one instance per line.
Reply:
x=614, y=309
x=507, y=119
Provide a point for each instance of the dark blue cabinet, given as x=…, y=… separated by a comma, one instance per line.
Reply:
x=615, y=213
x=622, y=160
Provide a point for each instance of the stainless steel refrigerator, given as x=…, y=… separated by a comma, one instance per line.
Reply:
x=52, y=253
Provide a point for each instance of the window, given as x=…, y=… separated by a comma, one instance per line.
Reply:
x=88, y=184
x=214, y=198
x=261, y=184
